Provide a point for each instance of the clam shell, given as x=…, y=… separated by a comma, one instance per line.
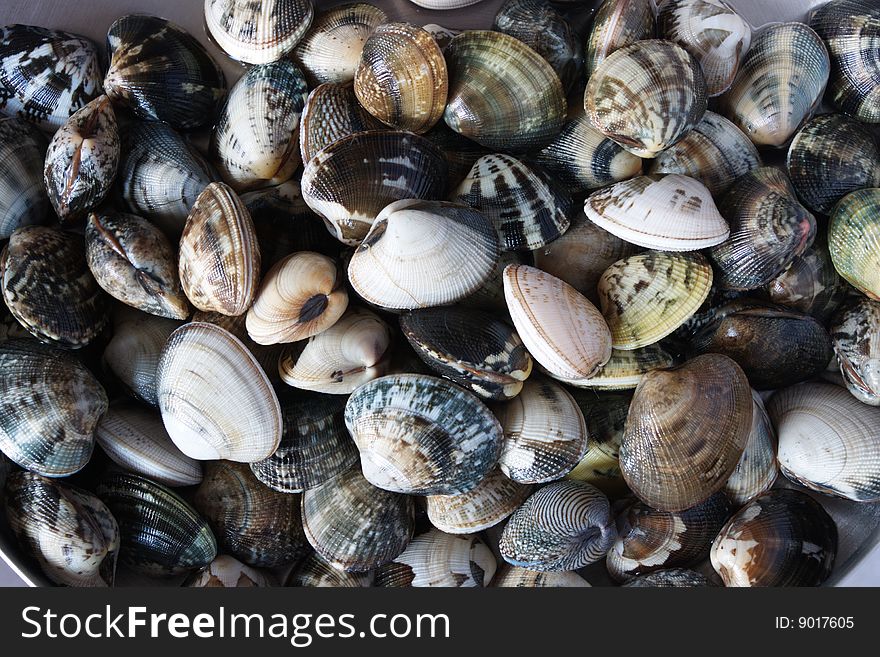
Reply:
x=810, y=284
x=646, y=297
x=783, y=538
x=354, y=525
x=331, y=112
x=509, y=576
x=255, y=140
x=563, y=526
x=216, y=402
x=82, y=159
x=856, y=337
x=313, y=571
x=779, y=83
x=672, y=577
x=423, y=253
x=257, y=32
x=435, y=559
x=561, y=329
x=489, y=296
x=422, y=435
x=133, y=261
x=23, y=200
x=646, y=96
x=267, y=355
x=161, y=72
x=686, y=431
x=351, y=180
x=252, y=522
x=49, y=289
x=162, y=535
x=442, y=35
x=71, y=533
x=617, y=23
x=545, y=434
x=502, y=94
x=605, y=416
x=219, y=253
x=669, y=212
x=625, y=369
x=460, y=152
x=444, y=4
x=854, y=240
x=228, y=572
x=757, y=470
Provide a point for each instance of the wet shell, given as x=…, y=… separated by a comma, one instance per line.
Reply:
x=625, y=369
x=489, y=296
x=768, y=229
x=401, y=79
x=219, y=253
x=757, y=470
x=779, y=83
x=646, y=297
x=617, y=23
x=712, y=32
x=135, y=439
x=49, y=289
x=561, y=329
x=461, y=153
x=526, y=208
x=71, y=533
x=82, y=159
x=669, y=212
x=435, y=559
x=783, y=538
x=830, y=157
x=605, y=416
x=646, y=96
x=255, y=140
x=258, y=32
x=442, y=35
x=313, y=571
x=133, y=261
x=422, y=435
x=854, y=240
x=228, y=572
x=673, y=577
x=315, y=445
x=715, y=152
x=686, y=431
x=810, y=284
x=161, y=72
x=354, y=525
x=356, y=349
x=267, y=355
x=493, y=500
x=23, y=200
x=856, y=336
x=471, y=348
x=563, y=526
x=545, y=434
x=216, y=402
x=512, y=577
x=46, y=75
x=331, y=112
x=502, y=94
x=252, y=522
x=351, y=180
x=162, y=535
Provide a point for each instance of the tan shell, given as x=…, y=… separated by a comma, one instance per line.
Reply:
x=229, y=572
x=757, y=469
x=625, y=368
x=438, y=559
x=513, y=577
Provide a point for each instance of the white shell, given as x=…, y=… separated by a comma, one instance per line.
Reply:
x=438, y=559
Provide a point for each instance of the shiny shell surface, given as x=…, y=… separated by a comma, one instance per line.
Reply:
x=437, y=559
x=854, y=240
x=617, y=23
x=258, y=32
x=757, y=469
x=855, y=333
x=493, y=500
x=23, y=199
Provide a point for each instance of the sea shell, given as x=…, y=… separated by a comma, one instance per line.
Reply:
x=605, y=417
x=23, y=199
x=673, y=577
x=444, y=4
x=854, y=240
x=460, y=152
x=313, y=571
x=229, y=572
x=757, y=469
x=258, y=33
x=810, y=284
x=625, y=368
x=856, y=336
x=437, y=559
x=509, y=576
x=617, y=23
x=489, y=296
x=267, y=355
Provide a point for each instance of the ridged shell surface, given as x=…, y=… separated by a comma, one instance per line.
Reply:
x=757, y=470
x=509, y=576
x=811, y=284
x=435, y=559
x=670, y=578
x=267, y=355
x=855, y=333
x=258, y=32
x=493, y=500
x=229, y=572
x=625, y=368
x=23, y=199
x=617, y=23
x=605, y=416
x=313, y=571
x=854, y=240
x=331, y=112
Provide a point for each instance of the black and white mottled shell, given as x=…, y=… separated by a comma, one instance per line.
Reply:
x=811, y=284
x=46, y=75
x=617, y=23
x=332, y=112
x=313, y=571
x=23, y=199
x=855, y=333
x=509, y=576
x=255, y=31
x=670, y=578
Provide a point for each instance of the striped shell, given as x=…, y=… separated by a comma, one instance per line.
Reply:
x=854, y=240
x=670, y=578
x=625, y=368
x=509, y=576
x=757, y=470
x=435, y=559
x=493, y=500
x=331, y=112
x=229, y=572
x=258, y=32
x=856, y=336
x=267, y=355
x=605, y=416
x=23, y=199
x=313, y=571
x=617, y=23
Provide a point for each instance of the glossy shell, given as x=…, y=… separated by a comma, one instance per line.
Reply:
x=810, y=284
x=23, y=199
x=438, y=559
x=854, y=240
x=617, y=23
x=313, y=571
x=757, y=470
x=855, y=333
x=257, y=33
x=509, y=576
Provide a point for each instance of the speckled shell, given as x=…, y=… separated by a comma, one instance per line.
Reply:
x=258, y=32
x=331, y=112
x=354, y=525
x=161, y=175
x=563, y=526
x=219, y=253
x=299, y=297
x=313, y=571
x=646, y=297
x=70, y=532
x=161, y=72
x=255, y=140
x=669, y=212
x=162, y=535
x=423, y=253
x=646, y=96
x=216, y=402
x=757, y=470
x=351, y=180
x=422, y=435
x=650, y=540
x=502, y=94
x=605, y=416
x=561, y=329
x=686, y=431
x=783, y=538
x=715, y=152
x=855, y=333
x=854, y=240
x=435, y=559
x=509, y=576
x=23, y=199
x=830, y=157
x=252, y=522
x=315, y=445
x=82, y=159
x=229, y=572
x=493, y=500
x=779, y=84
x=625, y=368
x=617, y=23
x=133, y=261
x=671, y=578
x=135, y=439
x=49, y=289
x=46, y=75
x=810, y=284
x=527, y=209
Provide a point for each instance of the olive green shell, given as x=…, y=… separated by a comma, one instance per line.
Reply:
x=854, y=240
